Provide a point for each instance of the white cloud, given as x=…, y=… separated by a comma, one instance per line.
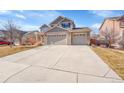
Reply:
x=21, y=11
x=96, y=25
x=50, y=13
x=5, y=12
x=28, y=27
x=31, y=18
x=79, y=25
x=45, y=15
x=2, y=22
x=21, y=25
x=104, y=13
x=20, y=16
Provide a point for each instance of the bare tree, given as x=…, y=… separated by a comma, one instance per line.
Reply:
x=111, y=36
x=12, y=29
x=108, y=34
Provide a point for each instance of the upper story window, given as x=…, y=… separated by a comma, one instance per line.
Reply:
x=122, y=23
x=66, y=25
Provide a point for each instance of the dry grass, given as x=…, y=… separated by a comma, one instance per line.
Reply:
x=114, y=58
x=6, y=50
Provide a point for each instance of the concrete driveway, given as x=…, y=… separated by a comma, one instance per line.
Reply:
x=57, y=64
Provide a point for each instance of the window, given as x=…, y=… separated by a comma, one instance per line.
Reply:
x=66, y=25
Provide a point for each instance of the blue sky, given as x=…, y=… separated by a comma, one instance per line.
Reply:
x=32, y=19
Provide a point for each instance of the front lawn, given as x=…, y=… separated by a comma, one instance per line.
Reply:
x=6, y=50
x=114, y=58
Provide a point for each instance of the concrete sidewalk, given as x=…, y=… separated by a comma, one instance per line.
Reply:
x=57, y=64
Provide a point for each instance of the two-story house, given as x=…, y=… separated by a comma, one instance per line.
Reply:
x=113, y=28
x=62, y=31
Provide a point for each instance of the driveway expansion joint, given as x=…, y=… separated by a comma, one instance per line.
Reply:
x=15, y=74
x=107, y=72
x=77, y=78
x=77, y=73
x=26, y=56
x=58, y=60
x=61, y=60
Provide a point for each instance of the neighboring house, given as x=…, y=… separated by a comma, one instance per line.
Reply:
x=1, y=35
x=16, y=36
x=62, y=31
x=44, y=28
x=31, y=38
x=4, y=35
x=113, y=29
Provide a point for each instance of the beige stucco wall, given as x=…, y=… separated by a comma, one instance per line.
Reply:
x=45, y=40
x=88, y=37
x=114, y=27
x=108, y=25
x=69, y=38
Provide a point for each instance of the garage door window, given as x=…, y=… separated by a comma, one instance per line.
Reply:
x=79, y=34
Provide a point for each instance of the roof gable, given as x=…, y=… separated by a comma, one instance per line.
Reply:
x=59, y=19
x=56, y=29
x=44, y=28
x=44, y=25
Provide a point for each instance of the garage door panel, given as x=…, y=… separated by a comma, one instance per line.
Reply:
x=56, y=39
x=79, y=39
